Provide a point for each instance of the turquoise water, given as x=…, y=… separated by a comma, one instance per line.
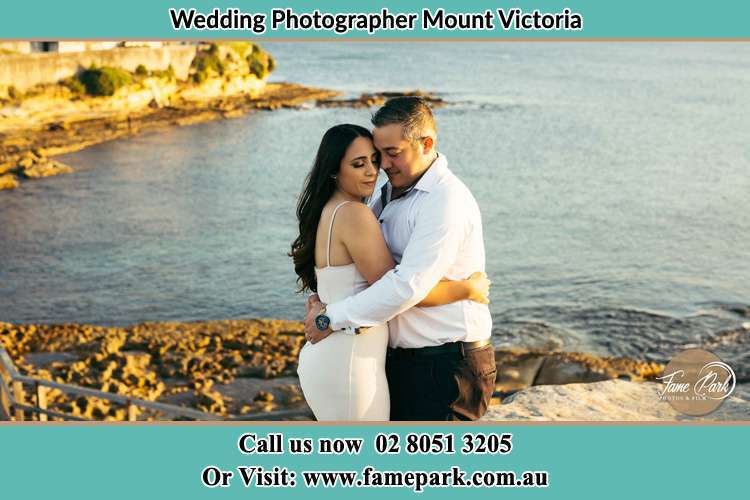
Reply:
x=613, y=181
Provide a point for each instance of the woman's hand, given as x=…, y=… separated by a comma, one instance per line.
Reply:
x=476, y=288
x=479, y=288
x=311, y=301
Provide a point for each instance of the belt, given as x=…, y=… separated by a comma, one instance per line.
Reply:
x=450, y=348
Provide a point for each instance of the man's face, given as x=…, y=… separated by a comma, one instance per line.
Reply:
x=400, y=159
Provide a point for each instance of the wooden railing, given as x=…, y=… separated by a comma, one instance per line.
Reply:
x=15, y=405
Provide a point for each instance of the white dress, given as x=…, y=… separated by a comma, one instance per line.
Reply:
x=343, y=375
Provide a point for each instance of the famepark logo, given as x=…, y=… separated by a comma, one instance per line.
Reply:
x=696, y=382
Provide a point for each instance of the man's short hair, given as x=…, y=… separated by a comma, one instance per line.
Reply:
x=412, y=112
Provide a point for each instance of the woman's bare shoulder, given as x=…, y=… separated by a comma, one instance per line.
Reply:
x=355, y=213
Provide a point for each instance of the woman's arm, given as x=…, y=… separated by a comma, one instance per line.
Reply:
x=476, y=288
x=361, y=234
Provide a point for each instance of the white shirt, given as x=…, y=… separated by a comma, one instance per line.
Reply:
x=433, y=231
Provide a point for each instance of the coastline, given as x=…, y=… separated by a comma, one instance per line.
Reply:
x=26, y=146
x=237, y=367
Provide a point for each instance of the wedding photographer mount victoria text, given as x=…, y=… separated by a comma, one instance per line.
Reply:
x=513, y=19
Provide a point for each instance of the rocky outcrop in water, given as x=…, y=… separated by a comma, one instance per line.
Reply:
x=378, y=99
x=8, y=181
x=31, y=165
x=519, y=368
x=57, y=125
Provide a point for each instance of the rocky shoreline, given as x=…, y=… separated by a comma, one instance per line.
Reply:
x=98, y=104
x=25, y=148
x=235, y=367
x=27, y=144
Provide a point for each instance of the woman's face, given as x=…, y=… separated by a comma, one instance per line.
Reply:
x=359, y=168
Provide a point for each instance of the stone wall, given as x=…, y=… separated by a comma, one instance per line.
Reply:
x=26, y=70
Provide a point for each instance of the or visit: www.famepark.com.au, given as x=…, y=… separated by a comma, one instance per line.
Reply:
x=418, y=480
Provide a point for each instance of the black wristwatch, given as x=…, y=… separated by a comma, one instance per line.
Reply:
x=322, y=321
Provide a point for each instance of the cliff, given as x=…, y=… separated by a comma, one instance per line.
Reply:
x=104, y=103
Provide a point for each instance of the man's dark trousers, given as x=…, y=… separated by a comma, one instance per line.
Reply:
x=453, y=385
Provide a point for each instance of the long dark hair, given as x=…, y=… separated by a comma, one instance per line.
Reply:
x=320, y=185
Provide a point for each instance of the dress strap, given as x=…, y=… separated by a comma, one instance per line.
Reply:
x=330, y=230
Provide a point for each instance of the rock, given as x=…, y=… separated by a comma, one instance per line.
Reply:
x=741, y=310
x=561, y=371
x=26, y=162
x=46, y=168
x=221, y=366
x=516, y=370
x=112, y=342
x=378, y=99
x=8, y=181
x=7, y=166
x=603, y=401
x=264, y=396
x=201, y=362
x=57, y=126
x=519, y=368
x=42, y=359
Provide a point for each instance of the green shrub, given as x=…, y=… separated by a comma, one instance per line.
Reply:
x=104, y=81
x=141, y=70
x=258, y=68
x=166, y=73
x=34, y=91
x=260, y=63
x=74, y=85
x=239, y=48
x=200, y=77
x=207, y=62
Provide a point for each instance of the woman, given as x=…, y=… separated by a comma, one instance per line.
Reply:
x=340, y=251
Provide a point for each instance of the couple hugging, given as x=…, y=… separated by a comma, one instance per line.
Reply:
x=399, y=327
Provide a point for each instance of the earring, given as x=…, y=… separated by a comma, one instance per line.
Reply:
x=334, y=177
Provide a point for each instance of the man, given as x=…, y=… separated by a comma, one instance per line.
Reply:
x=440, y=364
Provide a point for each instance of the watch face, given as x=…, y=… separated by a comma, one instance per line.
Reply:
x=322, y=322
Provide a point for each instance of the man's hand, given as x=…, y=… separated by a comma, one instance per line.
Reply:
x=312, y=334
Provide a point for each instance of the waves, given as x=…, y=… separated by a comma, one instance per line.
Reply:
x=630, y=332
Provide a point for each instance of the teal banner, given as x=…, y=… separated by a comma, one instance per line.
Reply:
x=315, y=461
x=500, y=19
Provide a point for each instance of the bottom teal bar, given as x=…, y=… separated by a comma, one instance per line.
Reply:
x=314, y=461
